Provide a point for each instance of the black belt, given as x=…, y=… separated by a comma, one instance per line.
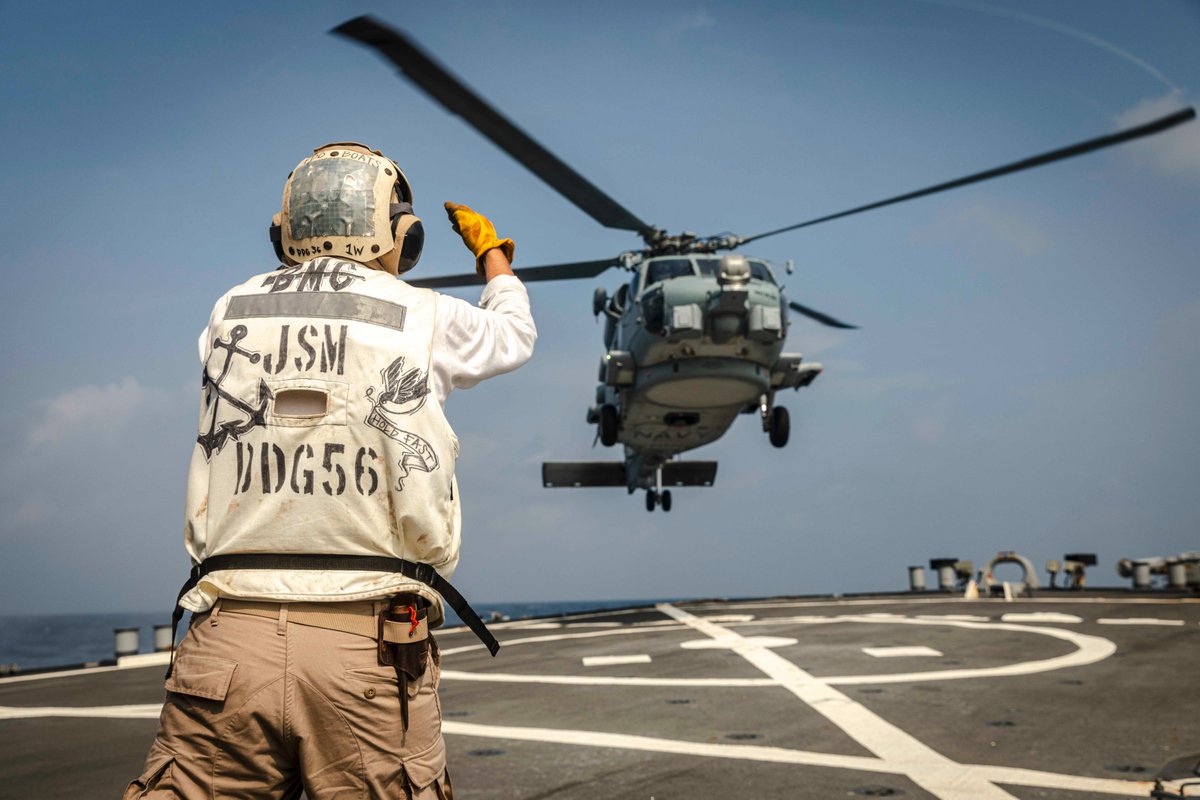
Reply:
x=424, y=573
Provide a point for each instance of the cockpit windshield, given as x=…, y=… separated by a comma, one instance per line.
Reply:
x=759, y=270
x=666, y=268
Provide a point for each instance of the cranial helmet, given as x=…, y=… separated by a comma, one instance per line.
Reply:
x=349, y=201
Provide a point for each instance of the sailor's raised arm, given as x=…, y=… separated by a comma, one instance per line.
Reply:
x=475, y=343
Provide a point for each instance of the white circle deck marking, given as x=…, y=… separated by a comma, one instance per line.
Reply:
x=1089, y=650
x=731, y=642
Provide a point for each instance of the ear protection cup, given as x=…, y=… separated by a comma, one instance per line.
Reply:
x=275, y=232
x=412, y=244
x=410, y=238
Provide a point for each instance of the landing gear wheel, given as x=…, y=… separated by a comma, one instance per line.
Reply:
x=651, y=499
x=780, y=426
x=665, y=500
x=609, y=422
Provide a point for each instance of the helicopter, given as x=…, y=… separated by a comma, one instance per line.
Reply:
x=695, y=337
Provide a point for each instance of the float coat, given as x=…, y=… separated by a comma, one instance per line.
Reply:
x=316, y=436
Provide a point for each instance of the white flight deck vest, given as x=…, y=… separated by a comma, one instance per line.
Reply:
x=318, y=434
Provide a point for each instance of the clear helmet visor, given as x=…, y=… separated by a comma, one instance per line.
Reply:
x=333, y=197
x=337, y=202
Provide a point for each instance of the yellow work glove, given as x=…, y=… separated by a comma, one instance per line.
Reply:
x=478, y=233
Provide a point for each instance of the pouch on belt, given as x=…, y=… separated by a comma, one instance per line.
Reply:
x=409, y=656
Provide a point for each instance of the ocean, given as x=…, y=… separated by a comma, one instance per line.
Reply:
x=40, y=641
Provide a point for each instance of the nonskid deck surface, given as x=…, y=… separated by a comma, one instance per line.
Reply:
x=929, y=697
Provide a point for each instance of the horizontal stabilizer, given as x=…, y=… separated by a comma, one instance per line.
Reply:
x=582, y=473
x=689, y=473
x=567, y=474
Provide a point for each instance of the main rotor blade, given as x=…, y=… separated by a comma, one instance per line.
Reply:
x=824, y=319
x=550, y=272
x=1150, y=128
x=458, y=99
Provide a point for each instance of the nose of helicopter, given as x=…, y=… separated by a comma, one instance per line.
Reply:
x=727, y=313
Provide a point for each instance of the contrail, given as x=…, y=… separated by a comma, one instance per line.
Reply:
x=1059, y=27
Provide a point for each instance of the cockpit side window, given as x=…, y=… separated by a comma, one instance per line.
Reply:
x=667, y=268
x=760, y=271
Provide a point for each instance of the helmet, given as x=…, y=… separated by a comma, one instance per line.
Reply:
x=349, y=201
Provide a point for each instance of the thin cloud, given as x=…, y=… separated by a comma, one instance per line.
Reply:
x=1174, y=152
x=929, y=430
x=89, y=409
x=1001, y=229
x=688, y=23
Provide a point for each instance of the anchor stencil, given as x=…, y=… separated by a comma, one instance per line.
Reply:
x=255, y=416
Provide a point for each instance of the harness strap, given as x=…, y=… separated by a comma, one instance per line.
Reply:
x=424, y=573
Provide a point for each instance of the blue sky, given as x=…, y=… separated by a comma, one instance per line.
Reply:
x=1026, y=375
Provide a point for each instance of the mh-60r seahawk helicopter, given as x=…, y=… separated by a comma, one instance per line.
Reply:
x=694, y=338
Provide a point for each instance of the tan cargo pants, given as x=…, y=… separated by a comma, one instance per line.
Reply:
x=263, y=708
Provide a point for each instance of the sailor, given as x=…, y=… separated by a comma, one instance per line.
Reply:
x=322, y=513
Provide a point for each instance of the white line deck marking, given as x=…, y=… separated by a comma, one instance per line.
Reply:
x=733, y=641
x=926, y=767
x=128, y=662
x=778, y=755
x=146, y=711
x=955, y=617
x=1139, y=621
x=599, y=680
x=901, y=652
x=731, y=618
x=942, y=600
x=155, y=659
x=609, y=661
x=593, y=624
x=554, y=637
x=1041, y=616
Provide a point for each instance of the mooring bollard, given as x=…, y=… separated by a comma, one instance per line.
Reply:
x=126, y=642
x=916, y=579
x=1177, y=573
x=944, y=568
x=162, y=638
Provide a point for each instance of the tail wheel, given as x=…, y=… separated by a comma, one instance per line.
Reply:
x=609, y=423
x=665, y=500
x=651, y=499
x=781, y=426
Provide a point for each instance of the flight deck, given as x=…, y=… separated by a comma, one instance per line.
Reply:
x=1065, y=695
